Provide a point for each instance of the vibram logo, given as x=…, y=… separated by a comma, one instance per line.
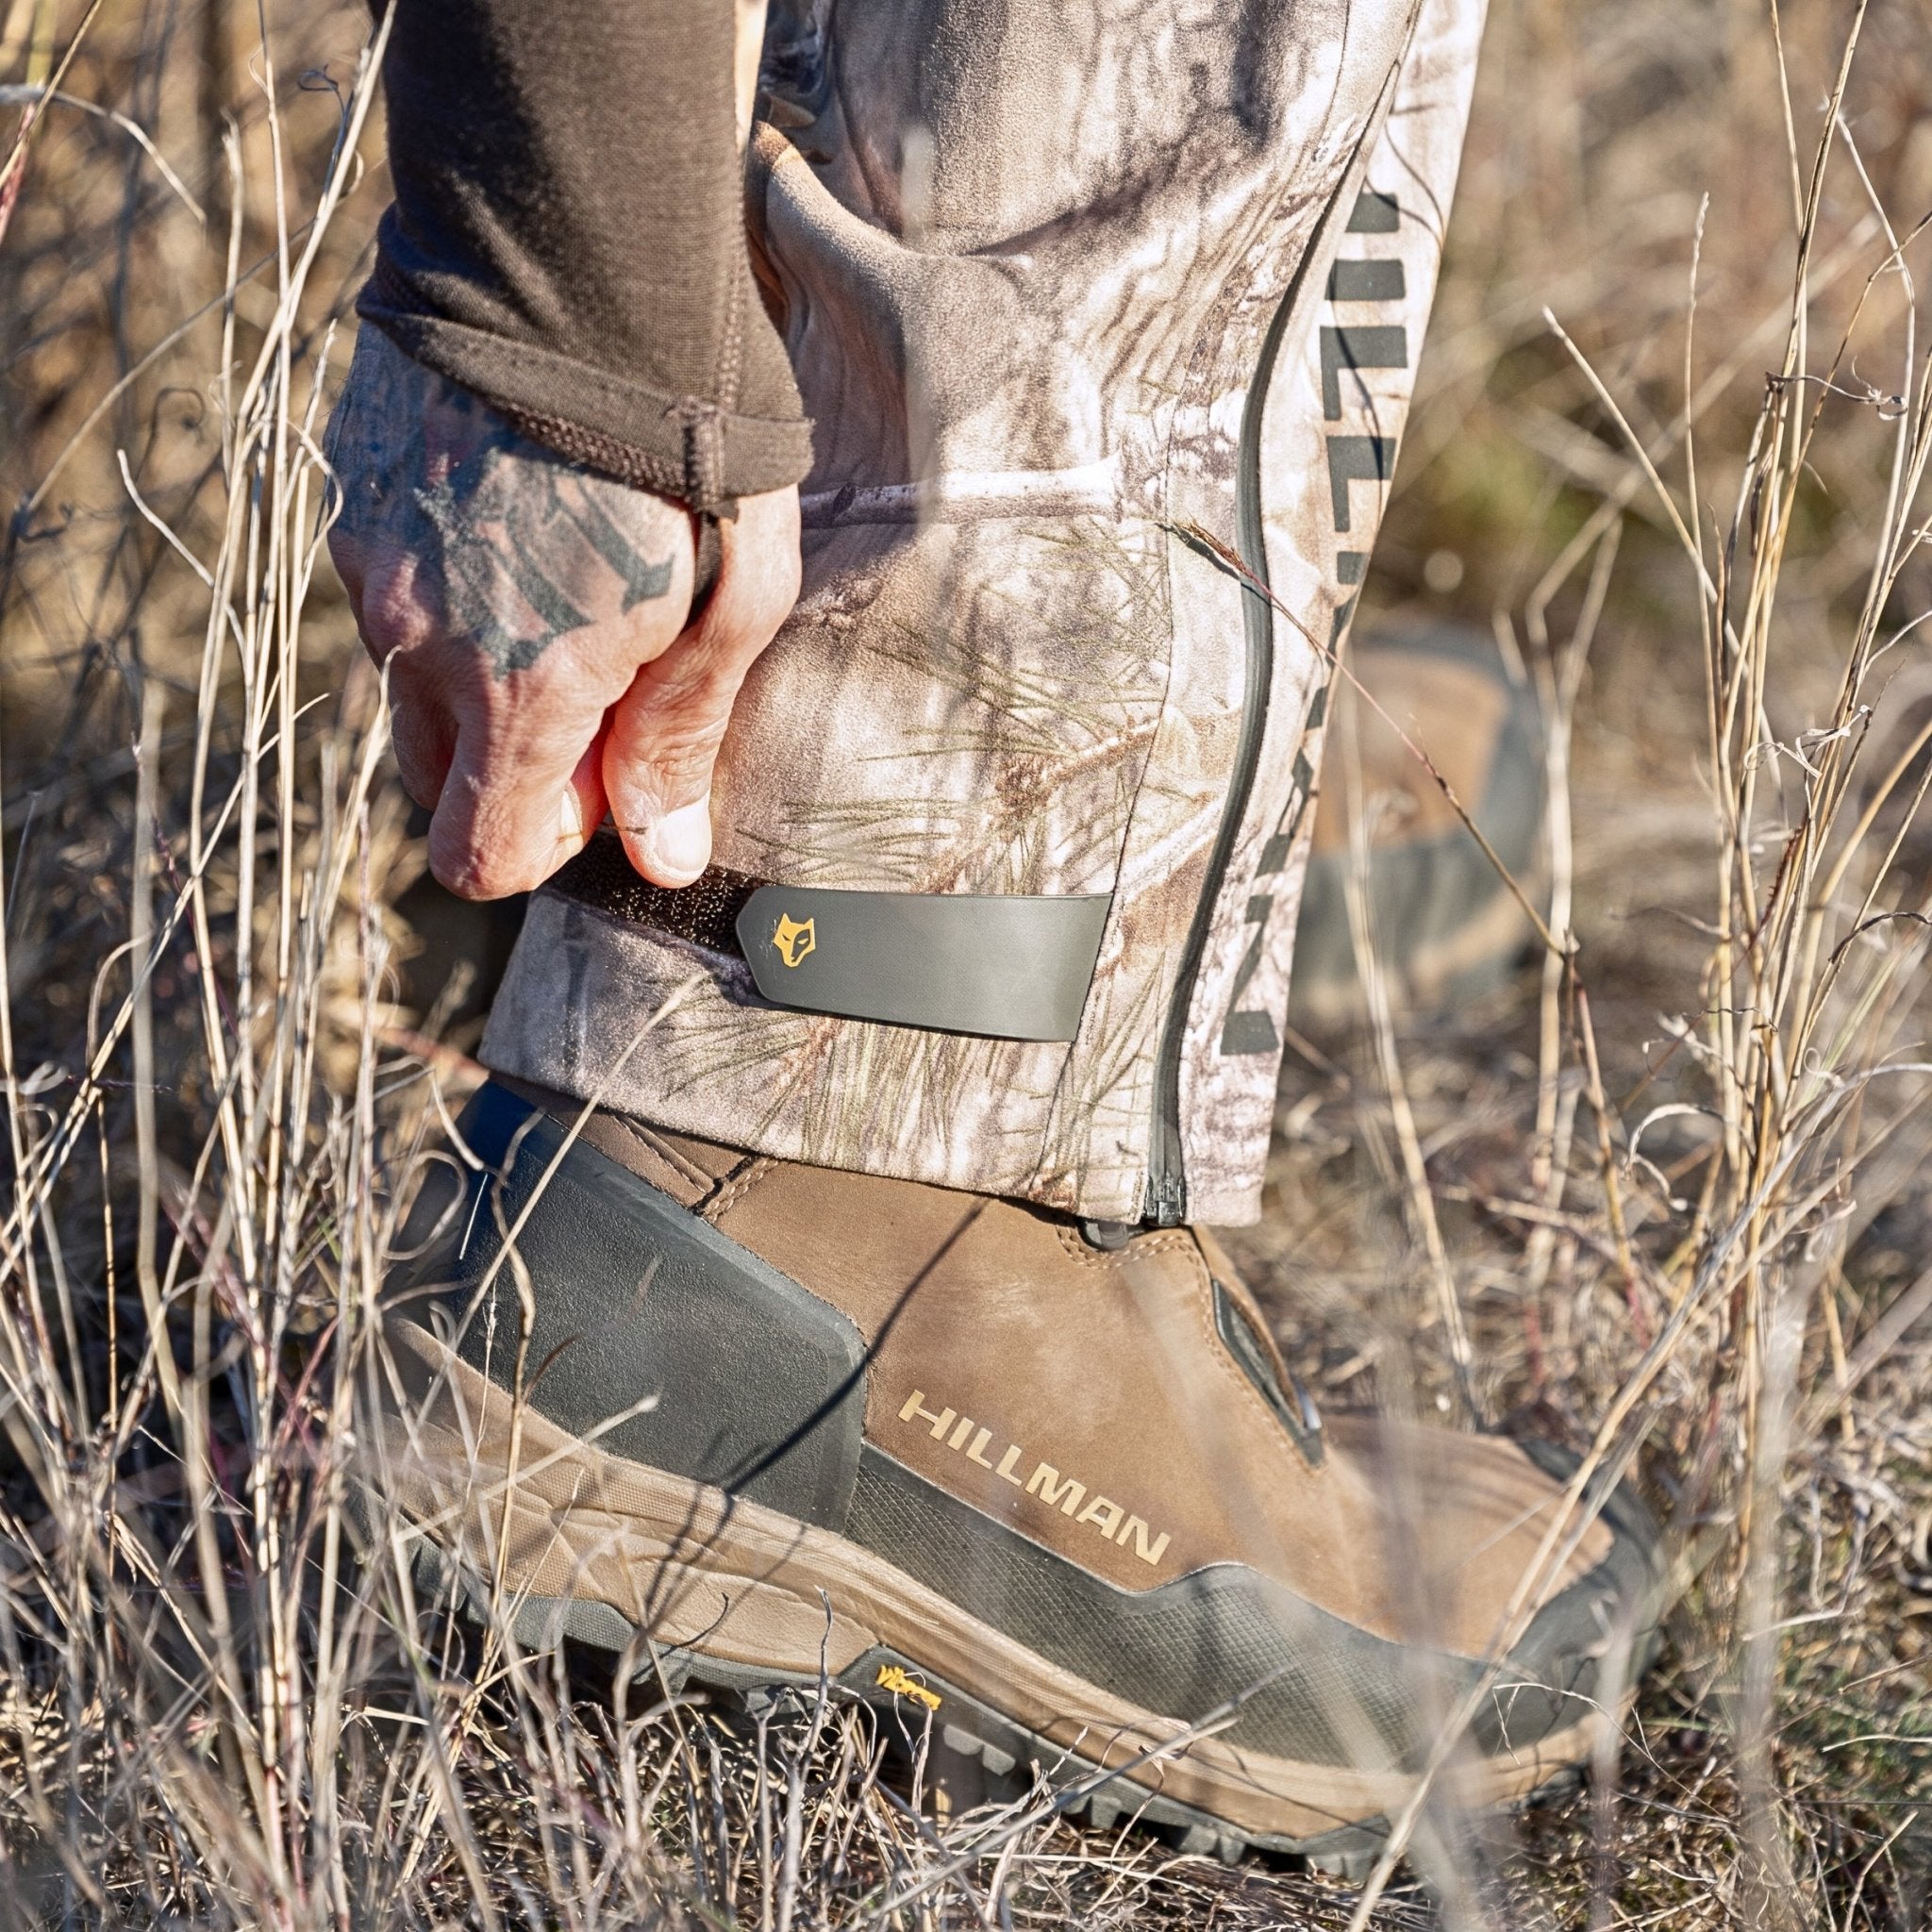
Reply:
x=894, y=1678
x=792, y=940
x=1056, y=1491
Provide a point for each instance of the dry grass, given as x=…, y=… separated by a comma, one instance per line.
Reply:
x=1676, y=1171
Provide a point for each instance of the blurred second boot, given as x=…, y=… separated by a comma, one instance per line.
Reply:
x=1444, y=923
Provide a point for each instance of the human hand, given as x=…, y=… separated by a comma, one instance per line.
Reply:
x=532, y=617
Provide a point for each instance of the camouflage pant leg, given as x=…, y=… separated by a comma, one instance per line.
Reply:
x=1065, y=283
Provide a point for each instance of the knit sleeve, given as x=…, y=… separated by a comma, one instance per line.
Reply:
x=567, y=238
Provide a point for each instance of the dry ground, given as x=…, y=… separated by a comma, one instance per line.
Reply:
x=1664, y=1195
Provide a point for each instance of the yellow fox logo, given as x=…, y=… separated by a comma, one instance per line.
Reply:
x=792, y=940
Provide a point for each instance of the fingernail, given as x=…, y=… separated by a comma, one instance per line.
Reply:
x=570, y=817
x=681, y=841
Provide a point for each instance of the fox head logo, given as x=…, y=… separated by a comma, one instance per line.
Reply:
x=792, y=940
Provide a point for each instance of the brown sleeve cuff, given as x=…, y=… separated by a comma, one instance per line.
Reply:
x=685, y=447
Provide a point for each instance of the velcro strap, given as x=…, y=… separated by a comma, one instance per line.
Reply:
x=1002, y=966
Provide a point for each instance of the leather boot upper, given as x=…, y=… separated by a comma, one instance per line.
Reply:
x=1094, y=1448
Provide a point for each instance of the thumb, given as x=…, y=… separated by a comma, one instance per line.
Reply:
x=664, y=732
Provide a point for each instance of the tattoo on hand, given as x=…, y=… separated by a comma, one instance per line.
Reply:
x=519, y=528
x=522, y=545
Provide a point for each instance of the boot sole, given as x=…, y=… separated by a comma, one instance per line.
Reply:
x=734, y=1596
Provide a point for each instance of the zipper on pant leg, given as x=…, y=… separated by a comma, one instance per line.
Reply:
x=1167, y=1185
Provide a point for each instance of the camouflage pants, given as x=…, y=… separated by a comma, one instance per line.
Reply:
x=1065, y=282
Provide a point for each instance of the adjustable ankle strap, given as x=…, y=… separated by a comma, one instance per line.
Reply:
x=1002, y=966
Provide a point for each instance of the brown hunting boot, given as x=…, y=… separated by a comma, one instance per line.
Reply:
x=1050, y=1484
x=1446, y=927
